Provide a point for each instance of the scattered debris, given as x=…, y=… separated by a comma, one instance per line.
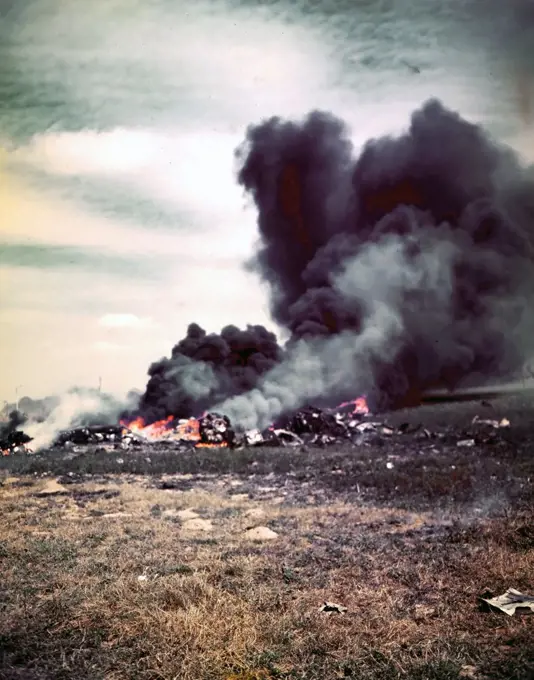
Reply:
x=92, y=434
x=466, y=442
x=13, y=440
x=510, y=601
x=504, y=422
x=253, y=437
x=469, y=672
x=215, y=430
x=287, y=438
x=312, y=420
x=333, y=607
x=351, y=423
x=147, y=576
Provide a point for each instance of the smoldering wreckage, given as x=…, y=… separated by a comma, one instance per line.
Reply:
x=403, y=268
x=351, y=424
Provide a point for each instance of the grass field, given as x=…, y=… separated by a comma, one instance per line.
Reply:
x=147, y=568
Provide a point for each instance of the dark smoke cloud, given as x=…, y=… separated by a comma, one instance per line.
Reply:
x=205, y=368
x=406, y=267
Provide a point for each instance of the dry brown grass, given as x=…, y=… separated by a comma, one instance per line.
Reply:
x=214, y=605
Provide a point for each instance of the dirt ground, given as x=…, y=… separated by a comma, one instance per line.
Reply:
x=214, y=564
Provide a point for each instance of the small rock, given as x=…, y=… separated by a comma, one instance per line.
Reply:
x=240, y=496
x=197, y=525
x=261, y=534
x=51, y=487
x=185, y=515
x=254, y=512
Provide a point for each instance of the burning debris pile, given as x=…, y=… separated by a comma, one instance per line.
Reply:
x=12, y=439
x=309, y=425
x=402, y=268
x=351, y=423
x=204, y=369
x=93, y=434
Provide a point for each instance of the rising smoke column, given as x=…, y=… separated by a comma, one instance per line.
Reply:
x=407, y=267
x=205, y=368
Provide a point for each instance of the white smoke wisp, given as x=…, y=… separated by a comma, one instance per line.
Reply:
x=76, y=408
x=382, y=275
x=195, y=378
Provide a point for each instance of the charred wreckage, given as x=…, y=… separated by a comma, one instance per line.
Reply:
x=350, y=424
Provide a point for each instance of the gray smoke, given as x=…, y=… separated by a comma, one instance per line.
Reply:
x=345, y=364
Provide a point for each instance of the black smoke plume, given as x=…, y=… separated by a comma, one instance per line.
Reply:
x=406, y=267
x=206, y=368
x=10, y=434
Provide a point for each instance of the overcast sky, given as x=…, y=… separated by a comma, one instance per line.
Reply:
x=121, y=221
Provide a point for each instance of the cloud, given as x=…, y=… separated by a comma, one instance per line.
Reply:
x=44, y=256
x=144, y=177
x=91, y=152
x=125, y=321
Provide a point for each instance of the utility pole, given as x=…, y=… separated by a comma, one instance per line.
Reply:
x=100, y=383
x=17, y=396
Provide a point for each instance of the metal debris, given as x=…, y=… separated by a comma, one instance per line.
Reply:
x=287, y=438
x=331, y=607
x=93, y=434
x=13, y=440
x=497, y=424
x=307, y=426
x=216, y=429
x=510, y=601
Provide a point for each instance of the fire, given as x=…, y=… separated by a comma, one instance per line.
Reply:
x=157, y=430
x=202, y=445
x=188, y=430
x=360, y=405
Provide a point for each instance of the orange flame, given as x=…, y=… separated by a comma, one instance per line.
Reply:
x=360, y=405
x=189, y=430
x=156, y=430
x=163, y=430
x=202, y=445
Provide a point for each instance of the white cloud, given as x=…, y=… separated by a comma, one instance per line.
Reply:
x=125, y=321
x=90, y=152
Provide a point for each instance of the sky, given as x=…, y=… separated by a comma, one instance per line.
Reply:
x=120, y=217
